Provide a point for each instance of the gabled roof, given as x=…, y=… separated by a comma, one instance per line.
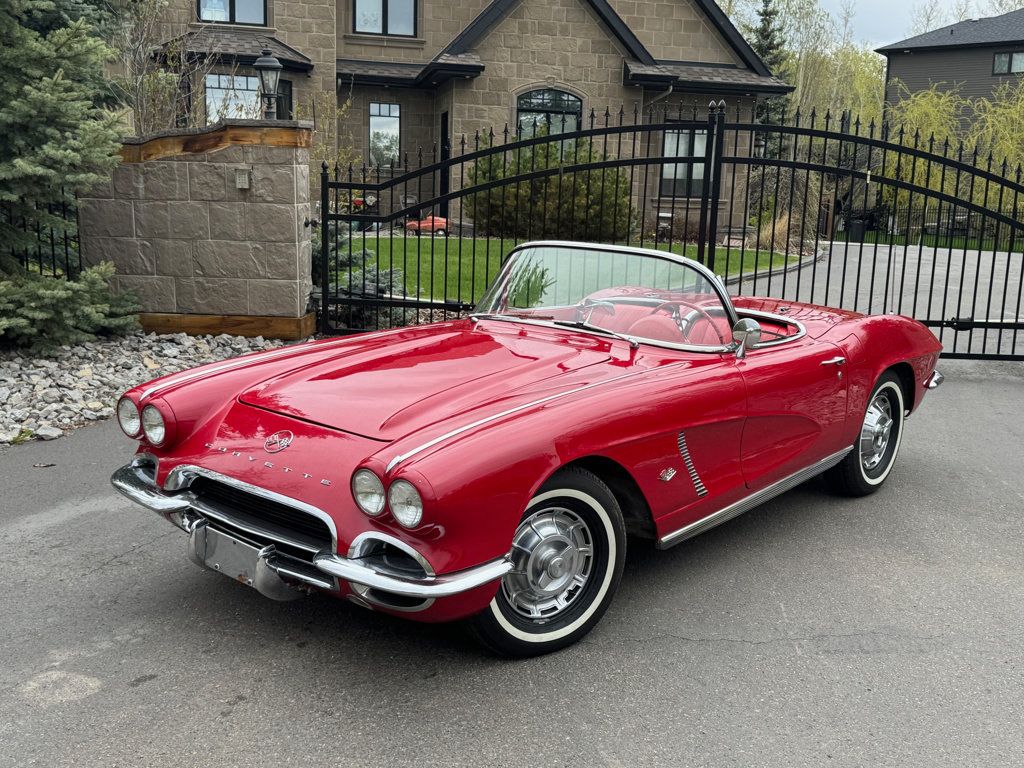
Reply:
x=973, y=33
x=239, y=45
x=497, y=10
x=700, y=77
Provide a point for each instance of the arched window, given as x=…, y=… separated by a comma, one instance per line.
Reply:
x=548, y=109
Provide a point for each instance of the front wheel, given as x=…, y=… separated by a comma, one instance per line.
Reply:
x=568, y=553
x=867, y=466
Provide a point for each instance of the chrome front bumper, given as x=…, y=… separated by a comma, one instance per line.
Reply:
x=281, y=577
x=934, y=380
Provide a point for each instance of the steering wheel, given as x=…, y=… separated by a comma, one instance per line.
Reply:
x=684, y=327
x=588, y=306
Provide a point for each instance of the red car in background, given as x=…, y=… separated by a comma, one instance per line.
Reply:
x=491, y=468
x=430, y=225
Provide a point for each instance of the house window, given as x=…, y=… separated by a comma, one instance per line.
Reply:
x=679, y=179
x=385, y=133
x=548, y=110
x=234, y=11
x=232, y=96
x=384, y=17
x=1008, y=63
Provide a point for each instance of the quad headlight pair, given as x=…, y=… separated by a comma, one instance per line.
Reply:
x=402, y=497
x=149, y=422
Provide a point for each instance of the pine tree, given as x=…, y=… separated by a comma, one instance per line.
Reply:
x=56, y=138
x=766, y=40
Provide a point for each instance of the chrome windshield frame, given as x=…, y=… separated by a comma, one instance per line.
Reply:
x=710, y=276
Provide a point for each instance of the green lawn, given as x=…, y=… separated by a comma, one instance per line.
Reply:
x=461, y=268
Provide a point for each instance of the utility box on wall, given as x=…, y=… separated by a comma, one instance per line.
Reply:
x=207, y=228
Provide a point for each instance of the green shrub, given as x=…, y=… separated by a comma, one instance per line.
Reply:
x=591, y=204
x=42, y=312
x=352, y=273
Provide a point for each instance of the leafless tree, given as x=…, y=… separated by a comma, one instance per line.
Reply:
x=158, y=81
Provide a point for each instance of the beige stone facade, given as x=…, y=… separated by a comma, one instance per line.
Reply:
x=208, y=222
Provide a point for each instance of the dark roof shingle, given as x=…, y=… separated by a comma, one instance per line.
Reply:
x=704, y=77
x=993, y=30
x=240, y=44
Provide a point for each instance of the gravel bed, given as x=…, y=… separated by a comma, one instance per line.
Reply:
x=42, y=397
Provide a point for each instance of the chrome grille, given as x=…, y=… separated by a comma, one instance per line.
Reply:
x=262, y=519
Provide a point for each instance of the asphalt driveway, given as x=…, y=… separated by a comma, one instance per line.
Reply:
x=812, y=631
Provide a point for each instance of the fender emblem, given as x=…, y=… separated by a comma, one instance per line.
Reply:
x=667, y=474
x=278, y=441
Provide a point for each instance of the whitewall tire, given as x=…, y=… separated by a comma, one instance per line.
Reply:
x=868, y=465
x=568, y=551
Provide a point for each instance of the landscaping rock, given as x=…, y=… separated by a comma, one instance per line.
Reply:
x=48, y=433
x=77, y=385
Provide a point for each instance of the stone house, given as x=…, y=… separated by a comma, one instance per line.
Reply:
x=423, y=73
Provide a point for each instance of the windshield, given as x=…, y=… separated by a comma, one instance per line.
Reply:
x=642, y=296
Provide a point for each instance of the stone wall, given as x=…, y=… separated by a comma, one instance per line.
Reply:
x=186, y=239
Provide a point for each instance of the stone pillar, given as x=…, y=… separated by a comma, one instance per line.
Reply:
x=207, y=228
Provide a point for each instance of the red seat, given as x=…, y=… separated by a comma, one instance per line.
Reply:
x=705, y=332
x=658, y=328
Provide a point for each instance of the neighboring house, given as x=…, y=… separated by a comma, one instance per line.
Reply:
x=974, y=56
x=426, y=72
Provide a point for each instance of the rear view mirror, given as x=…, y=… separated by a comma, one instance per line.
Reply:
x=745, y=334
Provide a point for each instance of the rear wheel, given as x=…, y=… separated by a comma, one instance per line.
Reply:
x=568, y=552
x=867, y=466
x=440, y=233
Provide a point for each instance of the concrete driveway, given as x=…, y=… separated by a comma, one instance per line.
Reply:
x=812, y=631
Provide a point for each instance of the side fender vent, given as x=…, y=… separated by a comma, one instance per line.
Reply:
x=698, y=485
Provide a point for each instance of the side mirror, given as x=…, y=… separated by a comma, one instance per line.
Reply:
x=745, y=334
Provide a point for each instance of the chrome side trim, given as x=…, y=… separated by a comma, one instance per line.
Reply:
x=698, y=484
x=747, y=503
x=525, y=406
x=182, y=476
x=445, y=585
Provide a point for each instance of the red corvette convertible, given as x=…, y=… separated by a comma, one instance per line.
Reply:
x=491, y=468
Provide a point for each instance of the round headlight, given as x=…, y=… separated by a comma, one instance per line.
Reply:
x=368, y=491
x=406, y=504
x=128, y=417
x=153, y=425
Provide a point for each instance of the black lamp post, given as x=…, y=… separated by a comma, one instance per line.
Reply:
x=269, y=69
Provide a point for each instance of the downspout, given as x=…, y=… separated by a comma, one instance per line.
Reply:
x=659, y=97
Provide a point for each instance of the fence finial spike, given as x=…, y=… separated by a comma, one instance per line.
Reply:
x=324, y=166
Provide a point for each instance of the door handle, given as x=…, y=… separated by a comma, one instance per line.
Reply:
x=834, y=361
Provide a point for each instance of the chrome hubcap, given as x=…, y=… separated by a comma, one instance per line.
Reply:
x=552, y=557
x=875, y=432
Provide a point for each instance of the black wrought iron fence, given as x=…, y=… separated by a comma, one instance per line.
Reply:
x=813, y=209
x=44, y=238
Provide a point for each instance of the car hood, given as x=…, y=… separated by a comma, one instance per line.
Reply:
x=393, y=387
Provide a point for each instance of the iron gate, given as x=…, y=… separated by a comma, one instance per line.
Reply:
x=823, y=210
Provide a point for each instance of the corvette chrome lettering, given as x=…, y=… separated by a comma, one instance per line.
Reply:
x=266, y=464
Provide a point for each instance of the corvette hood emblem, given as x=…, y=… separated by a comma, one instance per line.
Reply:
x=278, y=441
